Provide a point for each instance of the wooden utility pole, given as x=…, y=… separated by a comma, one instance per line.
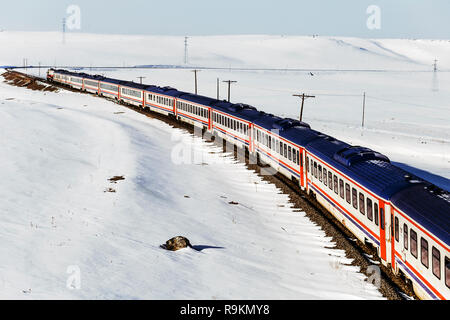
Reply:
x=140, y=79
x=303, y=96
x=195, y=73
x=185, y=50
x=217, y=88
x=364, y=108
x=229, y=85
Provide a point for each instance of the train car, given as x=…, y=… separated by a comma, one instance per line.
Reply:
x=194, y=109
x=420, y=245
x=233, y=123
x=275, y=148
x=162, y=100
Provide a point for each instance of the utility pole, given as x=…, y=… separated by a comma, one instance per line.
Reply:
x=64, y=30
x=303, y=96
x=229, y=85
x=185, y=50
x=195, y=74
x=435, y=65
x=217, y=88
x=364, y=108
x=140, y=79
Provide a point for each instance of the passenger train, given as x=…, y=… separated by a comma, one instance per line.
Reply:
x=406, y=219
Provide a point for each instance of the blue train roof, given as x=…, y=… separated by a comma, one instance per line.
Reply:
x=367, y=167
x=429, y=206
x=300, y=135
x=240, y=110
x=206, y=101
x=247, y=112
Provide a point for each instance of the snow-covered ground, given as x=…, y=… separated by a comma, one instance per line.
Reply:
x=58, y=150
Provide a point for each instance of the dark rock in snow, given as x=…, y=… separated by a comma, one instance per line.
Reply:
x=176, y=243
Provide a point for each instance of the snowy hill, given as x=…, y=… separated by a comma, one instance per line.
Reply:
x=59, y=150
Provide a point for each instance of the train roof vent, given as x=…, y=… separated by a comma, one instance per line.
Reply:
x=287, y=123
x=353, y=154
x=438, y=191
x=240, y=106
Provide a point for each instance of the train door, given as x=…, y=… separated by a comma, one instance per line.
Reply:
x=209, y=119
x=392, y=238
x=302, y=179
x=382, y=230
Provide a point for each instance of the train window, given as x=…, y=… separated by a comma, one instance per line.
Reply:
x=447, y=272
x=289, y=153
x=294, y=157
x=369, y=209
x=325, y=176
x=315, y=169
x=413, y=241
x=336, y=190
x=341, y=188
x=281, y=148
x=396, y=229
x=354, y=198
x=285, y=151
x=361, y=203
x=320, y=172
x=424, y=251
x=300, y=159
x=375, y=212
x=270, y=142
x=405, y=236
x=382, y=218
x=436, y=262
x=330, y=180
x=347, y=192
x=307, y=164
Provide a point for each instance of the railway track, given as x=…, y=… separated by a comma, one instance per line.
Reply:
x=363, y=256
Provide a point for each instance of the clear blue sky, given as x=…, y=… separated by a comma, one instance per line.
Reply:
x=399, y=18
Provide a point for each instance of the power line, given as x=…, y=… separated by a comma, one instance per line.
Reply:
x=303, y=96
